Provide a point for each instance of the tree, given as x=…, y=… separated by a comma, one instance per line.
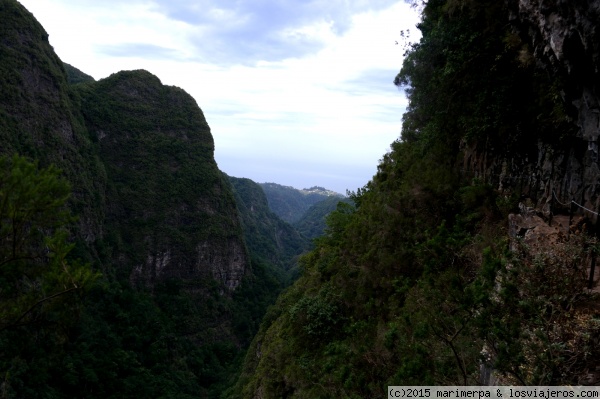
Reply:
x=35, y=276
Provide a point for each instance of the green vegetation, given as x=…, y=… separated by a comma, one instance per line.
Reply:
x=289, y=203
x=267, y=236
x=412, y=286
x=312, y=223
x=40, y=288
x=177, y=334
x=160, y=281
x=175, y=296
x=163, y=182
x=39, y=116
x=75, y=76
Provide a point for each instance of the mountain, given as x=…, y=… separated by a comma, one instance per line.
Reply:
x=467, y=258
x=313, y=223
x=290, y=203
x=138, y=154
x=75, y=76
x=164, y=186
x=161, y=293
x=267, y=236
x=40, y=117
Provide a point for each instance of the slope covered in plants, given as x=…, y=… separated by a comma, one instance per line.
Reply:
x=289, y=203
x=418, y=285
x=160, y=294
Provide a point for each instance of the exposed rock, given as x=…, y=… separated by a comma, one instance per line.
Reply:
x=533, y=231
x=227, y=263
x=139, y=156
x=564, y=33
x=170, y=205
x=39, y=116
x=564, y=39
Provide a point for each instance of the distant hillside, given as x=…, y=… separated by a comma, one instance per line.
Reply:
x=469, y=257
x=312, y=224
x=267, y=236
x=290, y=204
x=75, y=76
x=149, y=290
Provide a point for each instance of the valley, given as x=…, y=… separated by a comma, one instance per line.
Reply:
x=132, y=266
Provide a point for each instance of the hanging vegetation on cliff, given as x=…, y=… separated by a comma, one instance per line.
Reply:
x=417, y=285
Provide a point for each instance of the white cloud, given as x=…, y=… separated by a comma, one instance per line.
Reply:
x=326, y=104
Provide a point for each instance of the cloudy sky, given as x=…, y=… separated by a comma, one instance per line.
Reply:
x=296, y=92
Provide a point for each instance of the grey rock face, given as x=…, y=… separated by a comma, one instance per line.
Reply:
x=172, y=212
x=139, y=156
x=227, y=262
x=564, y=39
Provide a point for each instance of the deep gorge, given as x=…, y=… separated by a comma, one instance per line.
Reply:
x=465, y=260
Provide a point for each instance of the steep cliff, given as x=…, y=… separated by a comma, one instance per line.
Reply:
x=448, y=266
x=565, y=39
x=177, y=300
x=170, y=212
x=40, y=117
x=559, y=39
x=268, y=237
x=138, y=154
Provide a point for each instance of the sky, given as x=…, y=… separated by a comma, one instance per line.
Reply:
x=296, y=92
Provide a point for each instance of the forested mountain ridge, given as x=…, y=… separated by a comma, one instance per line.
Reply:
x=267, y=236
x=290, y=204
x=160, y=293
x=75, y=76
x=164, y=185
x=134, y=150
x=39, y=115
x=454, y=269
x=312, y=224
x=464, y=261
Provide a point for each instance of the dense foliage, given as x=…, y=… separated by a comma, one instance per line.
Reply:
x=40, y=288
x=416, y=286
x=39, y=116
x=289, y=203
x=145, y=190
x=75, y=76
x=267, y=236
x=312, y=223
x=415, y=283
x=114, y=341
x=163, y=186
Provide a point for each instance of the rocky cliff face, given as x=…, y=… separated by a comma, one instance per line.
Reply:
x=559, y=163
x=174, y=212
x=39, y=115
x=565, y=38
x=150, y=199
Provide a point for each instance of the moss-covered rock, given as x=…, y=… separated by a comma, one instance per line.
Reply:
x=171, y=213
